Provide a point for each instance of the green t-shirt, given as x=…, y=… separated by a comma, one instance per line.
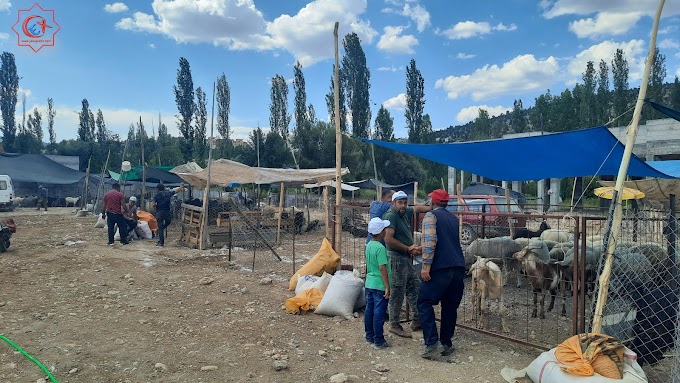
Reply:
x=376, y=255
x=401, y=226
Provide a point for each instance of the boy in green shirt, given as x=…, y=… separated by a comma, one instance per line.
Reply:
x=377, y=284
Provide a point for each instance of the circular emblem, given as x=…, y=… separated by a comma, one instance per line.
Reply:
x=34, y=26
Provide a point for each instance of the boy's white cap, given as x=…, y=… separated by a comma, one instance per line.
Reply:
x=376, y=225
x=399, y=195
x=133, y=199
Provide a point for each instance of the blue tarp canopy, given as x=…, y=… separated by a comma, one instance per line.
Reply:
x=372, y=184
x=672, y=168
x=579, y=153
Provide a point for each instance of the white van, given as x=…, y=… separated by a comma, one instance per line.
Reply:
x=6, y=193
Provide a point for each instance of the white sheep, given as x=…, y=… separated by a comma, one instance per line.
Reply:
x=72, y=201
x=487, y=282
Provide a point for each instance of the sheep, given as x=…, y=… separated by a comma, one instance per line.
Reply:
x=73, y=201
x=17, y=200
x=557, y=235
x=544, y=277
x=500, y=248
x=523, y=232
x=487, y=282
x=559, y=251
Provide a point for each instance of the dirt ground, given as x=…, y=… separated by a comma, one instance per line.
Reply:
x=139, y=313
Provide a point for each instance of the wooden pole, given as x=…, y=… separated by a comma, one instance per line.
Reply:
x=338, y=142
x=510, y=219
x=325, y=212
x=278, y=227
x=460, y=204
x=614, y=224
x=206, y=192
x=100, y=187
x=415, y=193
x=141, y=137
x=83, y=203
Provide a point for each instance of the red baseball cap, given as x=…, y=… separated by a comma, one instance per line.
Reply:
x=439, y=196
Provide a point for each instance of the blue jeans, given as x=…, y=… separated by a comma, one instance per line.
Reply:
x=445, y=286
x=374, y=316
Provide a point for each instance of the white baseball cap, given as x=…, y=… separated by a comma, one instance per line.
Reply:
x=399, y=195
x=133, y=199
x=376, y=225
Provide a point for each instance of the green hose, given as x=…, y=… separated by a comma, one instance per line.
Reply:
x=32, y=359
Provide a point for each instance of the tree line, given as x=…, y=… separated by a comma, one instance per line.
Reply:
x=310, y=141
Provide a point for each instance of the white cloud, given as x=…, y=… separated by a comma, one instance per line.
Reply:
x=5, y=5
x=605, y=23
x=634, y=51
x=308, y=35
x=520, y=74
x=472, y=112
x=23, y=91
x=668, y=44
x=465, y=56
x=469, y=29
x=392, y=42
x=418, y=14
x=585, y=7
x=4, y=36
x=388, y=69
x=115, y=8
x=152, y=45
x=239, y=25
x=397, y=102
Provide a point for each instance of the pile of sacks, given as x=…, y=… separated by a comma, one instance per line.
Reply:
x=319, y=288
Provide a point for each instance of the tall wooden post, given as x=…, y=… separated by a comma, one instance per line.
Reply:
x=415, y=192
x=614, y=221
x=206, y=192
x=278, y=231
x=325, y=212
x=338, y=142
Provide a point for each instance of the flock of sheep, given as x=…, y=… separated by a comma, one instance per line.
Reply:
x=546, y=259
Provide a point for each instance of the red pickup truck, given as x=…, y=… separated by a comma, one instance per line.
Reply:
x=494, y=225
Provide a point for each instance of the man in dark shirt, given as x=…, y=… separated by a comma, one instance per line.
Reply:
x=378, y=208
x=114, y=206
x=442, y=276
x=162, y=201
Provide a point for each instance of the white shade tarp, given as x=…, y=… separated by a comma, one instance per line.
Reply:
x=224, y=172
x=331, y=183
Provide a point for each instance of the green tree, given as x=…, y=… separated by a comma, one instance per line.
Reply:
x=518, y=119
x=164, y=138
x=415, y=102
x=655, y=91
x=132, y=136
x=300, y=96
x=357, y=83
x=311, y=114
x=426, y=133
x=384, y=125
x=330, y=100
x=9, y=88
x=36, y=127
x=102, y=132
x=184, y=98
x=565, y=112
x=279, y=119
x=482, y=126
x=84, y=130
x=275, y=154
x=620, y=80
x=223, y=106
x=675, y=94
x=539, y=116
x=586, y=114
x=201, y=116
x=603, y=94
x=51, y=113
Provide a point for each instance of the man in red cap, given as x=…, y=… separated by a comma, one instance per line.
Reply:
x=442, y=276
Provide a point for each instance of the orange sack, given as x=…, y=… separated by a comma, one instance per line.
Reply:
x=587, y=354
x=326, y=259
x=306, y=300
x=150, y=219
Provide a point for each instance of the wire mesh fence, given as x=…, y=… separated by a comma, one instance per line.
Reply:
x=642, y=303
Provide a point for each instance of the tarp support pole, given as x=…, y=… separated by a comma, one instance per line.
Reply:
x=325, y=211
x=615, y=218
x=415, y=193
x=338, y=142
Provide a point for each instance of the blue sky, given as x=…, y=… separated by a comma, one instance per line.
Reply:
x=123, y=56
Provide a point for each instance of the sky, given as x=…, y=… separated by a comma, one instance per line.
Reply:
x=123, y=56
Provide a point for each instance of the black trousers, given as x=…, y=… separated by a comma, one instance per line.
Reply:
x=113, y=220
x=164, y=217
x=445, y=286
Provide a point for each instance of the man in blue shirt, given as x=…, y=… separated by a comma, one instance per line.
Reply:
x=163, y=215
x=379, y=208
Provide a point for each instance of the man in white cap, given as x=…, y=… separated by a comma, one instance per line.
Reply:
x=131, y=216
x=401, y=248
